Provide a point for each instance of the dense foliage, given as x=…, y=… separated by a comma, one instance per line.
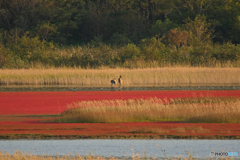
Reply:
x=119, y=33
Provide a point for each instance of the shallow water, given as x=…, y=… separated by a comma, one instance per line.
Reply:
x=136, y=88
x=124, y=148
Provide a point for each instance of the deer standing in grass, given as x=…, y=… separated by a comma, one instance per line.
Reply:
x=120, y=81
x=113, y=82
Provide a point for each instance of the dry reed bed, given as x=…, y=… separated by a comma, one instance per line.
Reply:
x=131, y=77
x=25, y=156
x=206, y=109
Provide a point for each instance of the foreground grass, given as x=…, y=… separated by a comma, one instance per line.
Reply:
x=131, y=77
x=205, y=109
x=25, y=156
x=21, y=156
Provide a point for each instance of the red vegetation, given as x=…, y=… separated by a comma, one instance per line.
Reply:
x=16, y=108
x=56, y=102
x=126, y=130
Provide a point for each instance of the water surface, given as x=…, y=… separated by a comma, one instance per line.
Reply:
x=123, y=148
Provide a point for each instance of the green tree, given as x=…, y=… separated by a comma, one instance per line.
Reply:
x=24, y=14
x=154, y=50
x=161, y=28
x=199, y=31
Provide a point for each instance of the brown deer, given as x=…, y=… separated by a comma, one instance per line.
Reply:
x=113, y=82
x=120, y=81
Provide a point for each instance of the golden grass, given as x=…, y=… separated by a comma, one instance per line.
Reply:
x=178, y=76
x=21, y=156
x=206, y=109
x=26, y=156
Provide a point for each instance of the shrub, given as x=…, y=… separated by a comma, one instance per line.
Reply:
x=226, y=52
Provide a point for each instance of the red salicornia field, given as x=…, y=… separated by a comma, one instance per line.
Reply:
x=38, y=115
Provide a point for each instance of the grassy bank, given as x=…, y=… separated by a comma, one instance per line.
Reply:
x=26, y=156
x=178, y=76
x=194, y=110
x=134, y=156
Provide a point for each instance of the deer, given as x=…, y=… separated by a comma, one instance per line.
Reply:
x=113, y=82
x=120, y=81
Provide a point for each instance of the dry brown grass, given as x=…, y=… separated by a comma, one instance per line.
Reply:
x=178, y=76
x=25, y=156
x=215, y=110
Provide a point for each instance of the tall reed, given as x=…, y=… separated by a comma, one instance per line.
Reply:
x=215, y=110
x=26, y=156
x=131, y=77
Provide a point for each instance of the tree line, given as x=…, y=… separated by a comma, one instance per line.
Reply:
x=119, y=33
